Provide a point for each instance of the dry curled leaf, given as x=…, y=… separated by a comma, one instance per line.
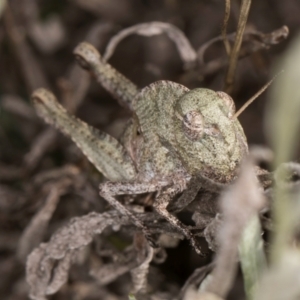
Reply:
x=48, y=265
x=253, y=41
x=34, y=232
x=139, y=274
x=185, y=49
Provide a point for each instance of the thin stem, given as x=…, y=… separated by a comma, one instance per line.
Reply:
x=224, y=27
x=255, y=96
x=234, y=55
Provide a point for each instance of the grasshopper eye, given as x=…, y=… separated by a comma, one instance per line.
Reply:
x=228, y=101
x=193, y=125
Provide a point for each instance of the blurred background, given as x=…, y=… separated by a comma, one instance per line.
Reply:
x=37, y=38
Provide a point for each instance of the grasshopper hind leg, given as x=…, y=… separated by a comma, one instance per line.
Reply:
x=101, y=149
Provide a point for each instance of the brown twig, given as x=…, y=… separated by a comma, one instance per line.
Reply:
x=234, y=55
x=253, y=41
x=32, y=72
x=224, y=27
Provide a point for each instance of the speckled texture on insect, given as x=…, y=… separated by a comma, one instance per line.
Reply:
x=177, y=141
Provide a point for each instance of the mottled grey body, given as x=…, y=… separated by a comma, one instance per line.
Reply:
x=178, y=139
x=161, y=107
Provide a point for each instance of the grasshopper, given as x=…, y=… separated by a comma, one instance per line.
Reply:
x=178, y=140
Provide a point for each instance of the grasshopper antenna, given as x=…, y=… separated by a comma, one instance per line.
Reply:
x=255, y=96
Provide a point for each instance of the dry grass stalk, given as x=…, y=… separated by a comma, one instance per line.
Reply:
x=48, y=265
x=234, y=54
x=224, y=27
